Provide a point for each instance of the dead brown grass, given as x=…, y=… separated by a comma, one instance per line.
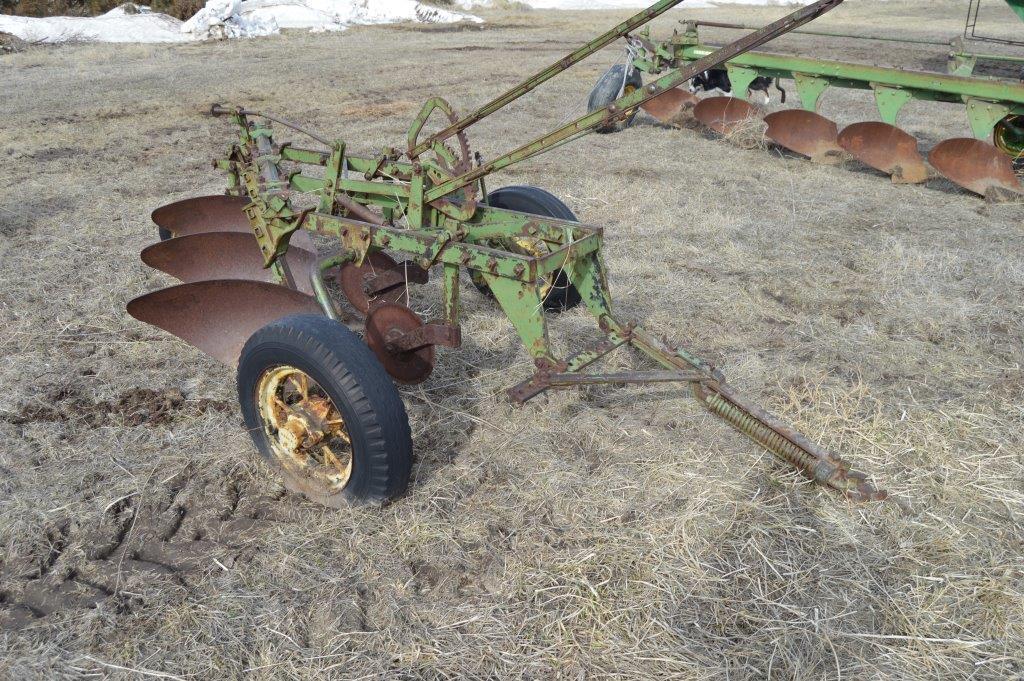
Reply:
x=620, y=533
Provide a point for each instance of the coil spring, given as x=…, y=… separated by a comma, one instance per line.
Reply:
x=835, y=471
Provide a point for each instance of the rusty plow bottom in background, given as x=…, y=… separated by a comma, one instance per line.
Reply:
x=973, y=164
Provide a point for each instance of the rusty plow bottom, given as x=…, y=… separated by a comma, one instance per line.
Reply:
x=887, y=148
x=216, y=213
x=224, y=255
x=667, y=107
x=726, y=115
x=227, y=294
x=219, y=315
x=806, y=133
x=977, y=166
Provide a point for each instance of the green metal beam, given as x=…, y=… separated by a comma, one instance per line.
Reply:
x=956, y=87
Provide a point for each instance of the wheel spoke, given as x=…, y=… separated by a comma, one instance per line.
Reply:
x=301, y=383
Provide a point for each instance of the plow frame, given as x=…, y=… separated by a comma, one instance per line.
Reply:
x=987, y=100
x=432, y=208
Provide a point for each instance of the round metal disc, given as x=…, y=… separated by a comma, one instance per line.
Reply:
x=887, y=148
x=352, y=279
x=804, y=132
x=975, y=165
x=725, y=115
x=391, y=319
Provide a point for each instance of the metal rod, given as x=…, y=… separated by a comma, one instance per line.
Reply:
x=746, y=27
x=639, y=96
x=323, y=296
x=637, y=20
x=557, y=380
x=221, y=110
x=992, y=57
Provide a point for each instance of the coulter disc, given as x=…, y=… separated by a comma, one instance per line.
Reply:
x=975, y=165
x=353, y=280
x=224, y=255
x=887, y=148
x=725, y=115
x=219, y=315
x=806, y=133
x=216, y=213
x=385, y=323
x=669, y=104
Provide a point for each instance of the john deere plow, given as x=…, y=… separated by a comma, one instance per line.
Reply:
x=994, y=109
x=319, y=335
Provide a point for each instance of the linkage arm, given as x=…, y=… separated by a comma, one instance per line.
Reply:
x=667, y=82
x=550, y=72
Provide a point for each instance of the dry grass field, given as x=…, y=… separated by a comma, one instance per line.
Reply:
x=619, y=532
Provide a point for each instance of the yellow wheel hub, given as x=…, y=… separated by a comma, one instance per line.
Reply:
x=304, y=428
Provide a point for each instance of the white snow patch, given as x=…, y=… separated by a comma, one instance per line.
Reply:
x=225, y=19
x=124, y=24
x=233, y=18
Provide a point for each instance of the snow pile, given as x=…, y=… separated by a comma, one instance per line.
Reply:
x=224, y=19
x=125, y=24
x=221, y=19
x=234, y=18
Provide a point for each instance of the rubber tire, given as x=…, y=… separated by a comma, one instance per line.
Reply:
x=347, y=370
x=537, y=201
x=607, y=91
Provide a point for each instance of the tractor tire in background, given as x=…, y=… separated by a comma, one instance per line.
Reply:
x=609, y=88
x=561, y=295
x=323, y=412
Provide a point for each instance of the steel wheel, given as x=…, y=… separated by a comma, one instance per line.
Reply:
x=306, y=432
x=608, y=88
x=1008, y=135
x=557, y=291
x=323, y=413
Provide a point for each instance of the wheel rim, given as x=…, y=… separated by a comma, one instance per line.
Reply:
x=305, y=430
x=629, y=89
x=1008, y=135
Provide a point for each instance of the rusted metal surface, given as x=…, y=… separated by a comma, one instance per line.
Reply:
x=306, y=433
x=216, y=213
x=571, y=380
x=378, y=279
x=887, y=148
x=223, y=255
x=218, y=316
x=667, y=106
x=726, y=115
x=434, y=333
x=358, y=210
x=977, y=166
x=385, y=325
x=806, y=133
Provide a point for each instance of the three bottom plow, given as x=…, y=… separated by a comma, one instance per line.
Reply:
x=319, y=337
